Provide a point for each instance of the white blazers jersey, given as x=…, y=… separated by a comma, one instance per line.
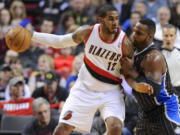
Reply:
x=100, y=71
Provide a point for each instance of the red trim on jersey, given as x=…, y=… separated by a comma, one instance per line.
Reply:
x=122, y=47
x=89, y=35
x=107, y=41
x=101, y=71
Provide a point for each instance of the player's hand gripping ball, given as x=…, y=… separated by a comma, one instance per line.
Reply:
x=18, y=39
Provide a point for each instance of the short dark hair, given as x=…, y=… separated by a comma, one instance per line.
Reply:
x=169, y=26
x=150, y=25
x=103, y=10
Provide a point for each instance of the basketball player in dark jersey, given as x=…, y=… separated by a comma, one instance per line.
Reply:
x=158, y=112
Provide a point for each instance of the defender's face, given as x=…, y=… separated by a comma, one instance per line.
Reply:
x=140, y=35
x=111, y=21
x=169, y=37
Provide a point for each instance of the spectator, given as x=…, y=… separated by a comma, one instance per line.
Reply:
x=26, y=92
x=163, y=17
x=17, y=105
x=153, y=6
x=2, y=86
x=5, y=19
x=5, y=76
x=51, y=91
x=6, y=73
x=78, y=61
x=10, y=54
x=67, y=20
x=175, y=20
x=175, y=15
x=18, y=12
x=63, y=63
x=3, y=46
x=172, y=3
x=43, y=123
x=30, y=58
x=140, y=8
x=171, y=54
x=79, y=8
x=52, y=9
x=94, y=5
x=45, y=64
x=124, y=8
x=134, y=18
x=47, y=26
x=16, y=64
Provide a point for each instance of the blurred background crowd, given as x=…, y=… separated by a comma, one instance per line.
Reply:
x=35, y=84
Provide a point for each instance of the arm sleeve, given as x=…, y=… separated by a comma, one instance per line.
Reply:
x=55, y=41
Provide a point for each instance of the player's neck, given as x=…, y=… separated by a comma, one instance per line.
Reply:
x=140, y=50
x=106, y=35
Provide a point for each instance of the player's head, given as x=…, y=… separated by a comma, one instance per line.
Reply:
x=144, y=33
x=109, y=18
x=169, y=36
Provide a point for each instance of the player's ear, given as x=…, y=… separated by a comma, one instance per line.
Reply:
x=151, y=36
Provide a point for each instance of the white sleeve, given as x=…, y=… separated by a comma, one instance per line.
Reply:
x=56, y=41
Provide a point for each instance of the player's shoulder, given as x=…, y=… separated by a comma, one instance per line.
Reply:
x=154, y=56
x=82, y=33
x=85, y=28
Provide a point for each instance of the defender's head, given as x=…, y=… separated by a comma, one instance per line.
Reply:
x=143, y=34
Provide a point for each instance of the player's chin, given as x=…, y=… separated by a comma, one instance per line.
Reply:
x=115, y=30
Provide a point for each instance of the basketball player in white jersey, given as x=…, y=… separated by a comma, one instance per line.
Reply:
x=97, y=86
x=172, y=54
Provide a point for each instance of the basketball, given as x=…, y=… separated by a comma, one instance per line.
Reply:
x=18, y=39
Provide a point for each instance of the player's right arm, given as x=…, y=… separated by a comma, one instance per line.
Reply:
x=62, y=41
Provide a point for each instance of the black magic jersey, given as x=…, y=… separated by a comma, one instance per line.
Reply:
x=160, y=110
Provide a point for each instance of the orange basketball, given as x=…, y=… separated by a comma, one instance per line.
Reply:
x=18, y=39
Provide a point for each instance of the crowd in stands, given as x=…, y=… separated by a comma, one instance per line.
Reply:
x=37, y=82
